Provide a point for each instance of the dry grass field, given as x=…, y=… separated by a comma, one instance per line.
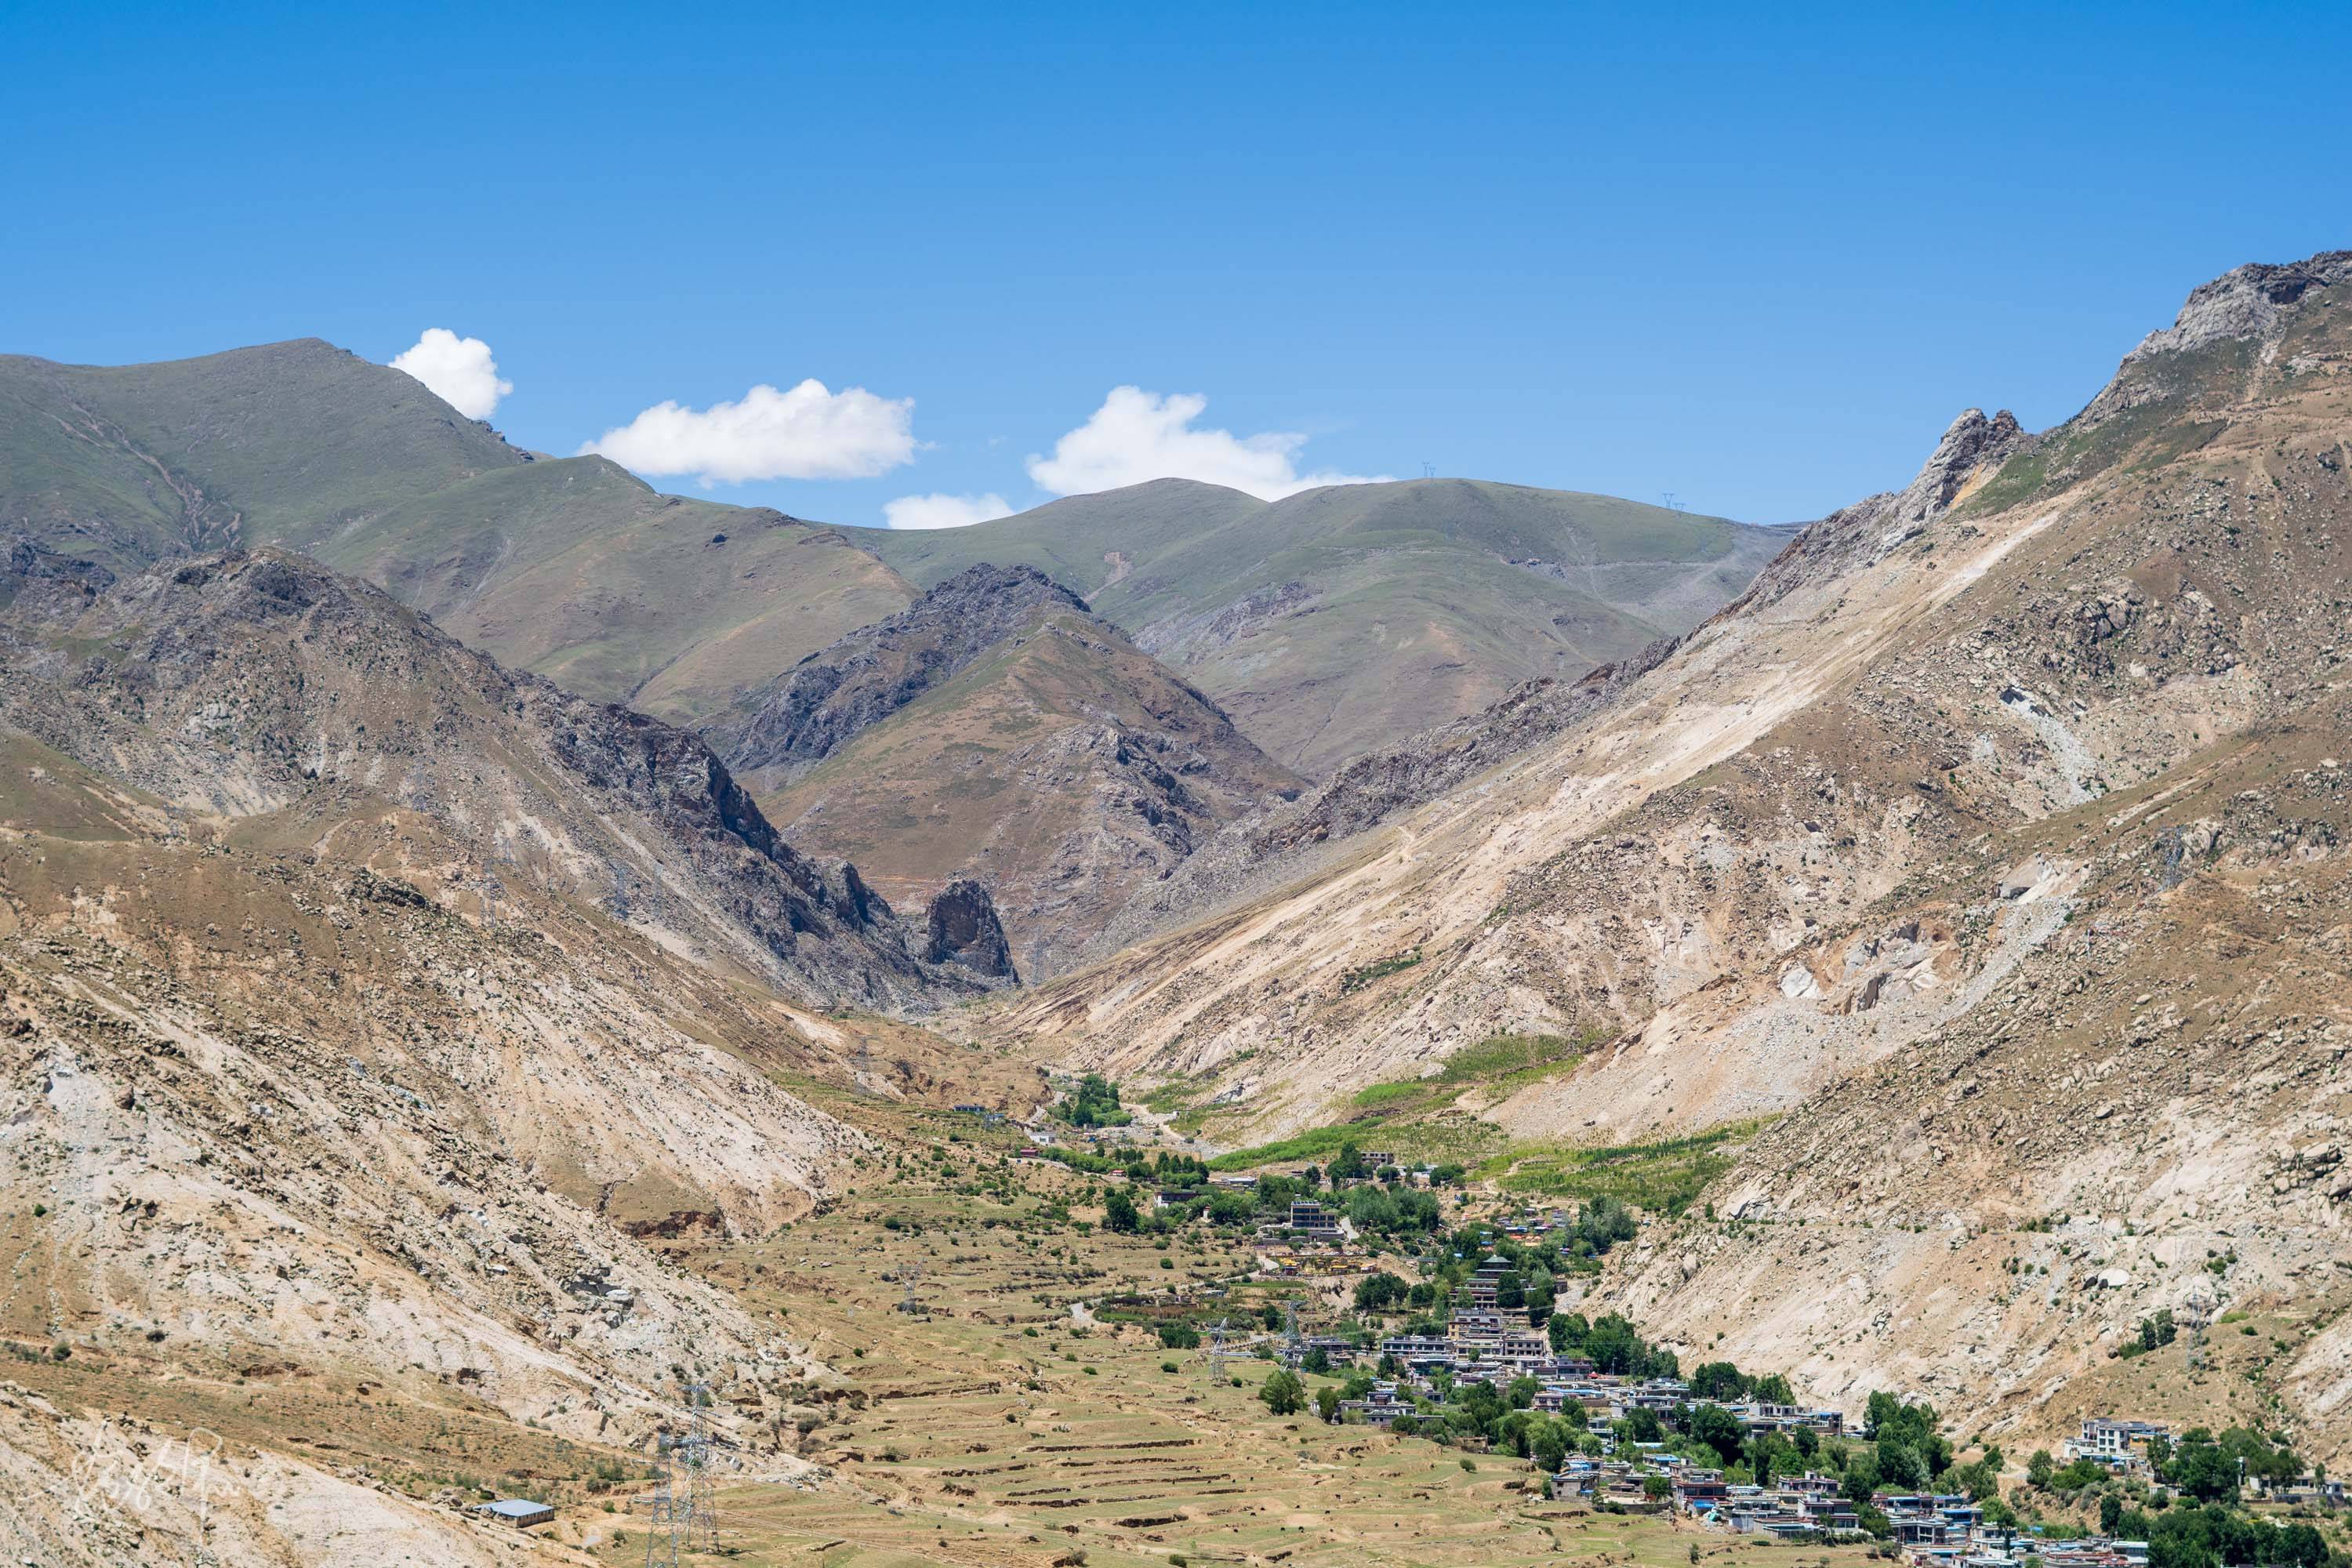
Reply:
x=1008, y=1424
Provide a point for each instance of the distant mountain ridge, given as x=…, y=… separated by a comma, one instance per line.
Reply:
x=1335, y=621
x=1327, y=624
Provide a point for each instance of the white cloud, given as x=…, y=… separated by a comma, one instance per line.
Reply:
x=808, y=432
x=944, y=510
x=458, y=371
x=1138, y=435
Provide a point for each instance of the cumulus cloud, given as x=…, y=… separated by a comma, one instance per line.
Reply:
x=458, y=371
x=1136, y=436
x=944, y=510
x=807, y=433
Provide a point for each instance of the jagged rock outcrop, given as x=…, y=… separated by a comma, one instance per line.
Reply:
x=2245, y=302
x=810, y=711
x=38, y=584
x=962, y=928
x=1973, y=448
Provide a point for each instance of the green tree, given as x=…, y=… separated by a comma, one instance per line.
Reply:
x=2202, y=1469
x=1326, y=1402
x=1719, y=1430
x=1861, y=1482
x=1118, y=1212
x=1283, y=1392
x=1717, y=1382
x=1227, y=1209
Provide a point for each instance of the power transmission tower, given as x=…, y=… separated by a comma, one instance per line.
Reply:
x=1429, y=470
x=685, y=1512
x=908, y=1275
x=1213, y=1353
x=701, y=1504
x=661, y=1533
x=1293, y=1345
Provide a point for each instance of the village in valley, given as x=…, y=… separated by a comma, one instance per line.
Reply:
x=1426, y=1303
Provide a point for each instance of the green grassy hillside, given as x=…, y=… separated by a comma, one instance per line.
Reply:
x=569, y=567
x=280, y=444
x=577, y=570
x=1352, y=614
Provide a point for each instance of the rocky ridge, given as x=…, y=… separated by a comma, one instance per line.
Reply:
x=803, y=716
x=998, y=735
x=247, y=685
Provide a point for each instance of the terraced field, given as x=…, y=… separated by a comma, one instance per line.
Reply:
x=1010, y=1423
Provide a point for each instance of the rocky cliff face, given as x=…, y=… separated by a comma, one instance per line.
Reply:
x=998, y=736
x=813, y=710
x=963, y=929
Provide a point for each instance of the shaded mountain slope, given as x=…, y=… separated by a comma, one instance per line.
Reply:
x=1336, y=620
x=1858, y=819
x=1281, y=844
x=997, y=732
x=252, y=685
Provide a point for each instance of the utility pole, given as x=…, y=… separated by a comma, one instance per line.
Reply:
x=702, y=1506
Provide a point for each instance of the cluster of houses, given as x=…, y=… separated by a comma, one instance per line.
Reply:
x=1934, y=1529
x=1482, y=1343
x=2120, y=1445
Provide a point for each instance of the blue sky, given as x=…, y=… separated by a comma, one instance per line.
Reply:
x=1758, y=263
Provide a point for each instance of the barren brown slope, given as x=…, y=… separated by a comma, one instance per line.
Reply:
x=251, y=685
x=358, y=1035
x=1734, y=874
x=996, y=730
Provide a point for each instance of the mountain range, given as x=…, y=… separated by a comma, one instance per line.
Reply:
x=435, y=877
